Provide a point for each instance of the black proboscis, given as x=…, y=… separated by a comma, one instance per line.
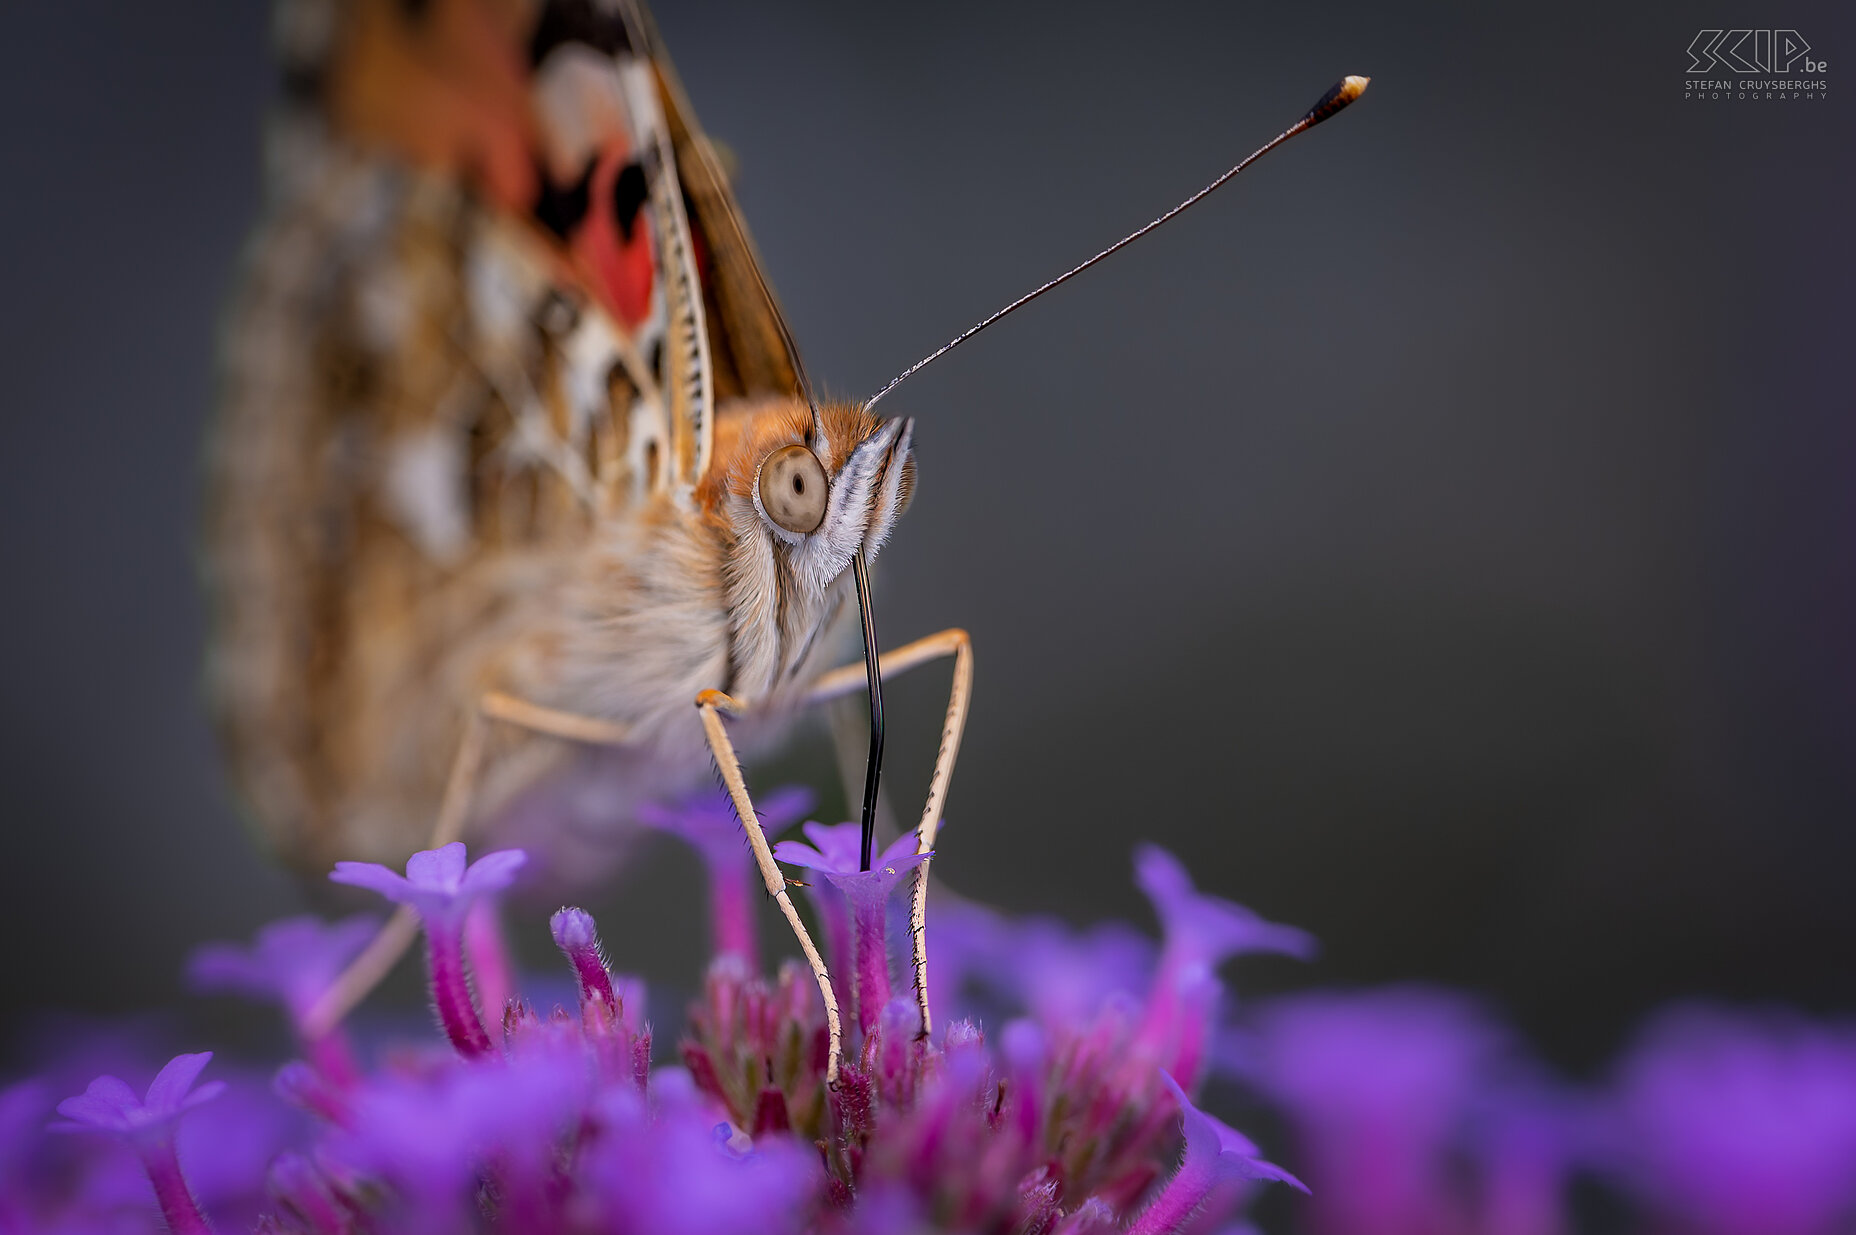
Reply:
x=873, y=768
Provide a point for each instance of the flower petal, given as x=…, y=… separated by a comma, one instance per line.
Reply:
x=869, y=889
x=173, y=1081
x=798, y=853
x=784, y=807
x=706, y=819
x=374, y=877
x=492, y=872
x=204, y=1094
x=899, y=850
x=107, y=1103
x=839, y=846
x=291, y=961
x=437, y=870
x=1208, y=929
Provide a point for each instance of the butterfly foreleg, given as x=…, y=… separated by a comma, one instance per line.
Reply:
x=376, y=960
x=849, y=678
x=713, y=704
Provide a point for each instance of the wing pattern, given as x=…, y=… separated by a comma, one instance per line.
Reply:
x=499, y=289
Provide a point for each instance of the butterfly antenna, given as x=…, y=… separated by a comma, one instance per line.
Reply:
x=1345, y=91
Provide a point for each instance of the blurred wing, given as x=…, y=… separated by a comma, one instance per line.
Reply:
x=498, y=292
x=752, y=348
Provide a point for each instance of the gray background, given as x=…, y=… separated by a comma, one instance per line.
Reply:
x=1442, y=537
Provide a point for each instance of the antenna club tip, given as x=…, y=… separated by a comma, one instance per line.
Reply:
x=1343, y=92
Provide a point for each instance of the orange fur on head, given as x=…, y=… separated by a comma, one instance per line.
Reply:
x=746, y=433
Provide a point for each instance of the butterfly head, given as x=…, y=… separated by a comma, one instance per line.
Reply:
x=811, y=492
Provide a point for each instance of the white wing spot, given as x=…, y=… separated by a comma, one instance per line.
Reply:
x=426, y=492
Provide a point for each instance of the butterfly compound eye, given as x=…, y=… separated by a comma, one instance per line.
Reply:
x=793, y=489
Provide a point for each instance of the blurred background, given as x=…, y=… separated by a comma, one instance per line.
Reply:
x=1442, y=538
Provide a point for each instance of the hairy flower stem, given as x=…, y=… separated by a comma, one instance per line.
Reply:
x=732, y=913
x=457, y=1012
x=178, y=1207
x=872, y=960
x=1177, y=1202
x=490, y=968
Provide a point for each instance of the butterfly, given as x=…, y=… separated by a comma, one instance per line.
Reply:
x=520, y=498
x=515, y=457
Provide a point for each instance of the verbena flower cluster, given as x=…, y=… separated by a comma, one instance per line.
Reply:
x=1070, y=1110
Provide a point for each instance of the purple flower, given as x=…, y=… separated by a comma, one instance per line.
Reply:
x=1060, y=973
x=1377, y=1085
x=228, y=1144
x=147, y=1124
x=437, y=883
x=443, y=890
x=611, y=1023
x=836, y=853
x=433, y=1135
x=758, y=1048
x=1736, y=1123
x=559, y=1122
x=1200, y=933
x=109, y=1105
x=672, y=1168
x=311, y=1090
x=1217, y=1156
x=1207, y=929
x=300, y=1188
x=1066, y=975
x=835, y=849
x=578, y=939
x=1527, y=1137
x=706, y=821
x=418, y=1136
x=292, y=960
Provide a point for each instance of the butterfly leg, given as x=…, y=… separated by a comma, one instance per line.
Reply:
x=712, y=704
x=843, y=681
x=365, y=972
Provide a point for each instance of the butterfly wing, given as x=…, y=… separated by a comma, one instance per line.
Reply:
x=751, y=345
x=500, y=287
